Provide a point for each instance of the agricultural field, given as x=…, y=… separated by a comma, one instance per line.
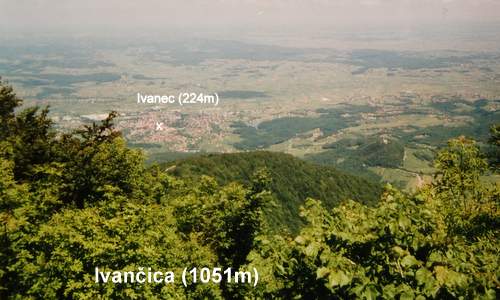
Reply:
x=378, y=112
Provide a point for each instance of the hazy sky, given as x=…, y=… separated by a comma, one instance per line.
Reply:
x=89, y=15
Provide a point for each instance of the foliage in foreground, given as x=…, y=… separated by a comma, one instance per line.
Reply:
x=73, y=202
x=441, y=242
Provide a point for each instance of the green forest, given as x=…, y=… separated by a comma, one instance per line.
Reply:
x=293, y=181
x=74, y=201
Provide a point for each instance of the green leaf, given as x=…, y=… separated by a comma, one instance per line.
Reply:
x=449, y=277
x=423, y=276
x=399, y=251
x=409, y=261
x=338, y=278
x=312, y=249
x=300, y=240
x=404, y=221
x=370, y=292
x=322, y=272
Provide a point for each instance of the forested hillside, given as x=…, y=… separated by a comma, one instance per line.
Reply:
x=292, y=181
x=355, y=155
x=74, y=202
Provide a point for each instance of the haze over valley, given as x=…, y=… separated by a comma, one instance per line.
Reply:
x=334, y=91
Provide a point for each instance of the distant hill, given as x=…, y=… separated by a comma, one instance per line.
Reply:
x=355, y=155
x=294, y=180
